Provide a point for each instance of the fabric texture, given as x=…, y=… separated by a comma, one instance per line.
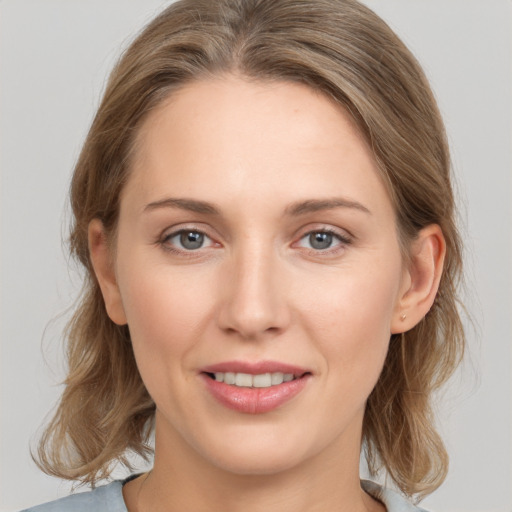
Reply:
x=109, y=498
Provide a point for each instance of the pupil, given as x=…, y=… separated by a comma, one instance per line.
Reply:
x=320, y=240
x=191, y=240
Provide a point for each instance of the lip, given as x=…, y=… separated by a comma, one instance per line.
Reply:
x=255, y=400
x=255, y=368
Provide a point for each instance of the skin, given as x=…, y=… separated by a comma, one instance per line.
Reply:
x=258, y=290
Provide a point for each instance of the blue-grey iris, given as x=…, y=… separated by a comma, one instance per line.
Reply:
x=320, y=240
x=191, y=240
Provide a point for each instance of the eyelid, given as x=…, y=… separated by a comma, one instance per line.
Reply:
x=171, y=232
x=175, y=234
x=342, y=233
x=343, y=236
x=335, y=234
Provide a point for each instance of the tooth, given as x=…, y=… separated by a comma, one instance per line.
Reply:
x=246, y=380
x=277, y=378
x=262, y=381
x=243, y=380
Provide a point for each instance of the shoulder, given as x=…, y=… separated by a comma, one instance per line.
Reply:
x=393, y=501
x=107, y=498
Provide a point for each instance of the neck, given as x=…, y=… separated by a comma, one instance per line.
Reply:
x=327, y=482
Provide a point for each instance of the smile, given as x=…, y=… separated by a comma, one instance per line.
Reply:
x=246, y=380
x=254, y=388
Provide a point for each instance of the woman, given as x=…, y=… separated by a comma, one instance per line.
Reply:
x=264, y=211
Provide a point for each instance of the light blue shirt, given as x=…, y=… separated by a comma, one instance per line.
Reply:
x=109, y=498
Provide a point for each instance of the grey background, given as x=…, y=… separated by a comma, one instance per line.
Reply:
x=54, y=58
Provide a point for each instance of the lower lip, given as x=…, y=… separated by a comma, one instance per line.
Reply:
x=255, y=400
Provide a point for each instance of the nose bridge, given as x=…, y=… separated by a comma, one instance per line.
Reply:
x=254, y=301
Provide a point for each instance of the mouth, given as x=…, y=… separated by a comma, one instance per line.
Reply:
x=254, y=388
x=247, y=380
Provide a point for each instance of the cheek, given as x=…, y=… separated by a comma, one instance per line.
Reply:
x=165, y=311
x=351, y=319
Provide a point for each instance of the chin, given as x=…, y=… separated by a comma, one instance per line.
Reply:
x=257, y=464
x=260, y=452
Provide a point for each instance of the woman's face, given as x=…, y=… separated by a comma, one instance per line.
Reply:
x=256, y=238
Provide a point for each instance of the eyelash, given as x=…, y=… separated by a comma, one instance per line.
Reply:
x=343, y=241
x=167, y=246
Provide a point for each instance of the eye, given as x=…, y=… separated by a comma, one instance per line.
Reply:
x=322, y=240
x=187, y=240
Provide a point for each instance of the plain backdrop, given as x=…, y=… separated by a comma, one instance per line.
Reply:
x=54, y=58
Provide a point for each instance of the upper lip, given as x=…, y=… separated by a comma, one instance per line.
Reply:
x=255, y=367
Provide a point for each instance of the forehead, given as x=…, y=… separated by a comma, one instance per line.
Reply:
x=240, y=135
x=228, y=109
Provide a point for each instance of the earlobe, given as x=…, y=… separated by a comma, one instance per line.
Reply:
x=421, y=280
x=101, y=261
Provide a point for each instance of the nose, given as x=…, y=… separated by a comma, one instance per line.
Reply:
x=254, y=301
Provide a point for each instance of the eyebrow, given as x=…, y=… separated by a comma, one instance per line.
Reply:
x=315, y=205
x=191, y=205
x=295, y=209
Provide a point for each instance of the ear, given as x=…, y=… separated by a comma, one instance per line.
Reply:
x=420, y=280
x=104, y=270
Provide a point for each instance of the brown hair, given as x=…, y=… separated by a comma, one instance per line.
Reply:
x=338, y=47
